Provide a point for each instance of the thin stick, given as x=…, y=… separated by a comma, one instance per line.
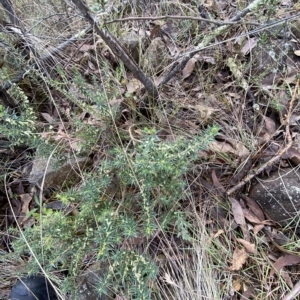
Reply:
x=293, y=293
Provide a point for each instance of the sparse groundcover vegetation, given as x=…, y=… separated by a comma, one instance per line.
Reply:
x=131, y=136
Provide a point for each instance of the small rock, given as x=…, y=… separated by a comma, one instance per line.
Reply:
x=279, y=196
x=32, y=288
x=55, y=176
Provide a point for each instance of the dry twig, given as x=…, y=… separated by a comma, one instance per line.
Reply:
x=293, y=293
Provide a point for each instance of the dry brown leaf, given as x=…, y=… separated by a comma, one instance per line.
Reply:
x=237, y=211
x=270, y=125
x=286, y=260
x=240, y=150
x=267, y=131
x=133, y=85
x=236, y=284
x=287, y=278
x=251, y=217
x=254, y=207
x=189, y=67
x=221, y=147
x=47, y=117
x=239, y=217
x=257, y=228
x=25, y=198
x=293, y=154
x=239, y=258
x=277, y=236
x=216, y=181
x=250, y=248
x=219, y=232
x=249, y=45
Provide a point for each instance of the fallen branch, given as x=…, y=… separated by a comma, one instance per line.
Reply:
x=117, y=49
x=274, y=159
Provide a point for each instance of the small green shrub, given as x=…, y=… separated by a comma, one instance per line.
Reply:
x=156, y=169
x=105, y=219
